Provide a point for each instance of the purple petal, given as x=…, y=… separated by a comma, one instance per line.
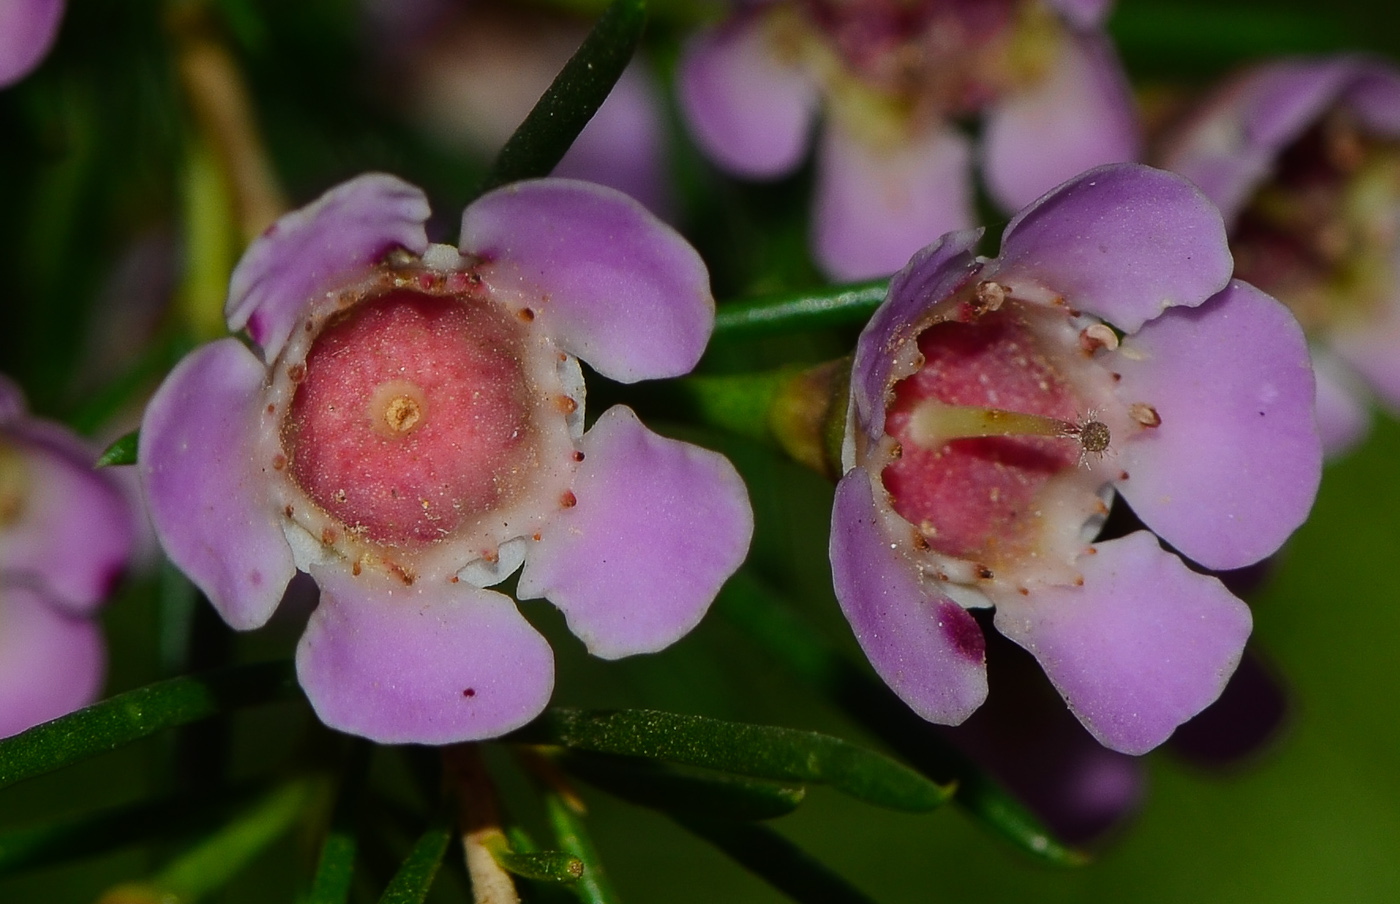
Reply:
x=747, y=109
x=1079, y=115
x=1370, y=348
x=1230, y=148
x=51, y=661
x=932, y=275
x=27, y=32
x=206, y=492
x=1082, y=13
x=313, y=249
x=12, y=403
x=1026, y=737
x=1343, y=415
x=878, y=204
x=927, y=648
x=658, y=527
x=1123, y=242
x=1141, y=647
x=435, y=663
x=75, y=530
x=611, y=283
x=624, y=145
x=1249, y=714
x=1235, y=464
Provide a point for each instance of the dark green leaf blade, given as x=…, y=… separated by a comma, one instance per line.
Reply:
x=541, y=866
x=136, y=714
x=689, y=791
x=122, y=451
x=335, y=868
x=569, y=103
x=572, y=835
x=802, y=649
x=761, y=751
x=414, y=879
x=776, y=861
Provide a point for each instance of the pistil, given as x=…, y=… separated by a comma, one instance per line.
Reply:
x=934, y=424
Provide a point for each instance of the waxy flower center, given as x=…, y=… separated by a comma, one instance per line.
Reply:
x=993, y=432
x=413, y=417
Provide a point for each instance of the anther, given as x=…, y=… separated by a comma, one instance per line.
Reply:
x=1144, y=414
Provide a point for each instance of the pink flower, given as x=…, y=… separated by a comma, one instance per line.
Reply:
x=890, y=80
x=994, y=412
x=66, y=532
x=1300, y=156
x=410, y=431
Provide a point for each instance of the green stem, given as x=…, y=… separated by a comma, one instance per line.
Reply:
x=569, y=103
x=815, y=309
x=572, y=836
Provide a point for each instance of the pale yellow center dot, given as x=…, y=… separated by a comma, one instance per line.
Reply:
x=397, y=407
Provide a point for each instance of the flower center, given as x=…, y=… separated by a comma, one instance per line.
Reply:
x=413, y=417
x=1321, y=236
x=986, y=425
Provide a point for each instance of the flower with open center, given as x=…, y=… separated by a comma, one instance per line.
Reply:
x=66, y=533
x=995, y=405
x=27, y=32
x=891, y=79
x=1303, y=159
x=411, y=431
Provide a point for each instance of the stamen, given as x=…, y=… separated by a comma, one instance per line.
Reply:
x=934, y=424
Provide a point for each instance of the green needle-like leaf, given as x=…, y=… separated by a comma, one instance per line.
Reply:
x=802, y=649
x=335, y=869
x=137, y=714
x=414, y=879
x=114, y=828
x=810, y=310
x=761, y=751
x=575, y=95
x=122, y=451
x=542, y=866
x=682, y=790
x=776, y=861
x=593, y=886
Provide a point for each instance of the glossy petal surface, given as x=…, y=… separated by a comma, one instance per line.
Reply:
x=75, y=529
x=51, y=661
x=28, y=29
x=1235, y=464
x=311, y=250
x=933, y=274
x=208, y=499
x=435, y=663
x=609, y=281
x=1083, y=13
x=746, y=109
x=1121, y=242
x=659, y=525
x=1141, y=647
x=927, y=648
x=877, y=205
x=1078, y=116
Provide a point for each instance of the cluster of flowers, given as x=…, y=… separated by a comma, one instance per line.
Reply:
x=408, y=423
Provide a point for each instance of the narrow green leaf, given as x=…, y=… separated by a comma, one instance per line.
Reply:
x=137, y=714
x=335, y=868
x=1189, y=36
x=570, y=102
x=414, y=879
x=810, y=310
x=122, y=451
x=798, y=646
x=572, y=835
x=682, y=790
x=776, y=861
x=761, y=751
x=114, y=828
x=542, y=866
x=210, y=864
